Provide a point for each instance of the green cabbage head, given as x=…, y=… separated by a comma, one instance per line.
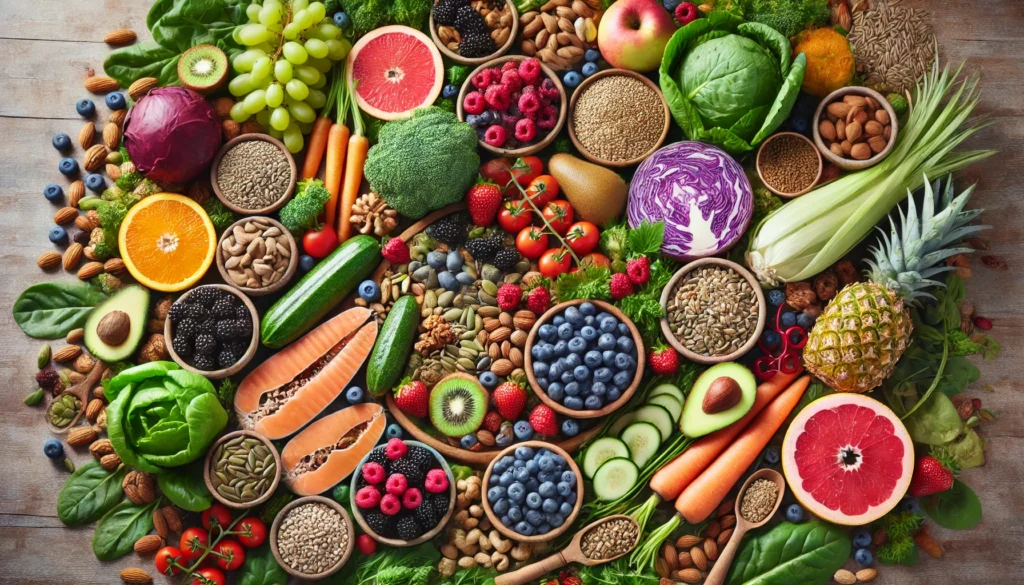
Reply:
x=729, y=82
x=161, y=416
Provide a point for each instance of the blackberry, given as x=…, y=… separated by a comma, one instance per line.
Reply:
x=48, y=379
x=421, y=457
x=408, y=528
x=449, y=231
x=412, y=471
x=205, y=345
x=237, y=346
x=197, y=312
x=468, y=20
x=186, y=329
x=226, y=358
x=445, y=11
x=208, y=326
x=205, y=295
x=178, y=312
x=204, y=362
x=506, y=259
x=438, y=503
x=242, y=312
x=486, y=247
x=244, y=326
x=378, y=522
x=182, y=346
x=223, y=308
x=227, y=330
x=378, y=456
x=426, y=516
x=477, y=44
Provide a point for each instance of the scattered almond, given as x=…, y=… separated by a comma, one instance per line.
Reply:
x=118, y=116
x=66, y=354
x=101, y=447
x=86, y=223
x=844, y=577
x=95, y=158
x=65, y=215
x=687, y=541
x=668, y=552
x=75, y=193
x=148, y=544
x=727, y=521
x=714, y=529
x=48, y=260
x=98, y=392
x=92, y=410
x=110, y=462
x=866, y=575
x=928, y=545
x=90, y=270
x=87, y=135
x=724, y=537
x=100, y=84
x=160, y=524
x=661, y=567
x=726, y=509
x=700, y=560
x=81, y=436
x=141, y=87
x=84, y=363
x=173, y=519
x=113, y=171
x=135, y=576
x=119, y=37
x=111, y=136
x=114, y=266
x=684, y=560
x=711, y=549
x=690, y=576
x=75, y=335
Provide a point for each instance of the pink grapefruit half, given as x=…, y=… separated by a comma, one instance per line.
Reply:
x=396, y=69
x=848, y=458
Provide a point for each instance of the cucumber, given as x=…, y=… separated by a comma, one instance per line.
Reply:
x=319, y=291
x=390, y=351
x=620, y=423
x=600, y=451
x=658, y=416
x=673, y=406
x=643, y=440
x=615, y=478
x=670, y=389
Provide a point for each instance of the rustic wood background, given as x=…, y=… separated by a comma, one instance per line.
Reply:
x=47, y=47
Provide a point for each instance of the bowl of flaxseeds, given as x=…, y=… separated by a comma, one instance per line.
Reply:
x=253, y=174
x=312, y=537
x=714, y=311
x=789, y=164
x=242, y=469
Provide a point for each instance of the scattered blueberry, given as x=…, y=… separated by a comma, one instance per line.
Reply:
x=85, y=108
x=354, y=395
x=369, y=291
x=489, y=380
x=911, y=505
x=671, y=5
x=306, y=262
x=68, y=167
x=592, y=55
x=95, y=182
x=862, y=538
x=62, y=142
x=53, y=448
x=794, y=337
x=795, y=514
x=436, y=260
x=53, y=193
x=570, y=428
x=342, y=21
x=450, y=91
x=776, y=297
x=805, y=321
x=58, y=235
x=863, y=557
x=523, y=430
x=115, y=101
x=590, y=68
x=788, y=319
x=771, y=339
x=771, y=455
x=799, y=124
x=467, y=441
x=572, y=79
x=394, y=431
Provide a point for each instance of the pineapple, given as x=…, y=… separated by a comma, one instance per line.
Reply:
x=857, y=340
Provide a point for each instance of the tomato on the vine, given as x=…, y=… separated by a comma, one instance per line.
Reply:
x=167, y=560
x=193, y=542
x=595, y=259
x=230, y=555
x=254, y=532
x=582, y=237
x=514, y=216
x=219, y=513
x=541, y=190
x=554, y=262
x=559, y=214
x=209, y=576
x=531, y=242
x=320, y=243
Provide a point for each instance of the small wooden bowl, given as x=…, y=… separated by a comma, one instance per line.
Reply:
x=208, y=464
x=669, y=290
x=215, y=167
x=536, y=146
x=83, y=392
x=293, y=263
x=607, y=408
x=513, y=33
x=395, y=542
x=555, y=532
x=254, y=342
x=817, y=176
x=842, y=162
x=309, y=500
x=572, y=110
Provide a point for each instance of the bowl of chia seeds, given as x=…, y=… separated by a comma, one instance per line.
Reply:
x=312, y=537
x=242, y=469
x=253, y=174
x=714, y=311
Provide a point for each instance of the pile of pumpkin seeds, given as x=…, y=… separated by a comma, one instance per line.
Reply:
x=64, y=409
x=243, y=469
x=713, y=311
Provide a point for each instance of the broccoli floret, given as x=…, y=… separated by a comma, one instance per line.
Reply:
x=445, y=104
x=129, y=181
x=332, y=6
x=111, y=215
x=300, y=214
x=457, y=74
x=108, y=283
x=372, y=128
x=898, y=103
x=367, y=15
x=786, y=16
x=221, y=216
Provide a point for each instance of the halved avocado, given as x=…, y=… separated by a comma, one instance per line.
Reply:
x=720, y=396
x=115, y=328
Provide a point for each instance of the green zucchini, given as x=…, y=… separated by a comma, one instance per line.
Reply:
x=319, y=291
x=391, y=350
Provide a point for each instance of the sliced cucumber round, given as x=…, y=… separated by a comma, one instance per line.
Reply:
x=600, y=451
x=670, y=389
x=615, y=478
x=673, y=406
x=643, y=440
x=658, y=416
x=621, y=423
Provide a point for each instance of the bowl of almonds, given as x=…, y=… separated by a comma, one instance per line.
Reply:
x=472, y=32
x=257, y=255
x=855, y=128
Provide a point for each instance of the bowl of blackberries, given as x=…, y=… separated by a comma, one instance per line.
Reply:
x=212, y=330
x=403, y=493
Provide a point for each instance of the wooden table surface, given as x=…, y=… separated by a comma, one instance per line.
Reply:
x=47, y=47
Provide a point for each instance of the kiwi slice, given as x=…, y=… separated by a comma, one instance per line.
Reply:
x=458, y=404
x=203, y=68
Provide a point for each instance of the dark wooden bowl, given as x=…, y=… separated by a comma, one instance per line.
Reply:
x=513, y=33
x=641, y=359
x=308, y=500
x=563, y=108
x=555, y=532
x=241, y=210
x=208, y=463
x=850, y=164
x=254, y=342
x=395, y=542
x=572, y=110
x=289, y=273
x=760, y=174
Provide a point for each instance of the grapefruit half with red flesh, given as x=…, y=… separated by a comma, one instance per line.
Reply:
x=848, y=458
x=396, y=70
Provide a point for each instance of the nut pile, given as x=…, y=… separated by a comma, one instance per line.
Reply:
x=610, y=539
x=373, y=215
x=560, y=32
x=691, y=556
x=713, y=311
x=856, y=127
x=256, y=254
x=312, y=538
x=473, y=36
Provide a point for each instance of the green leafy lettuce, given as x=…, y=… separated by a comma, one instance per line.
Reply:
x=791, y=553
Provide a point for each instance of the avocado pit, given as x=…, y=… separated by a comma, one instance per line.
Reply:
x=723, y=394
x=114, y=327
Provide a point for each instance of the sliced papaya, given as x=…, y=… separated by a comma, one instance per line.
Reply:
x=288, y=390
x=327, y=451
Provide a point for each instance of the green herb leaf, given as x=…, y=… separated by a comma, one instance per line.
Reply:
x=935, y=422
x=118, y=529
x=790, y=554
x=145, y=59
x=185, y=487
x=615, y=573
x=88, y=494
x=646, y=239
x=260, y=568
x=957, y=508
x=50, y=310
x=590, y=282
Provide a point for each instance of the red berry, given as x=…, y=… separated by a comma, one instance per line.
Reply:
x=529, y=103
x=492, y=422
x=482, y=80
x=976, y=402
x=396, y=251
x=390, y=504
x=373, y=472
x=365, y=544
x=686, y=13
x=621, y=286
x=483, y=200
x=496, y=135
x=982, y=323
x=510, y=78
x=508, y=298
x=367, y=497
x=412, y=498
x=539, y=300
x=663, y=360
x=547, y=118
x=508, y=66
x=413, y=399
x=639, y=271
x=436, y=481
x=930, y=477
x=529, y=70
x=396, y=484
x=526, y=130
x=395, y=449
x=548, y=90
x=474, y=103
x=543, y=420
x=509, y=400
x=498, y=97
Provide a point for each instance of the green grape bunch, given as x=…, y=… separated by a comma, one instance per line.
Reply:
x=282, y=75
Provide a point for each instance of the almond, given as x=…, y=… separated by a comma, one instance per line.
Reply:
x=81, y=436
x=827, y=130
x=86, y=223
x=111, y=136
x=866, y=574
x=65, y=215
x=90, y=270
x=118, y=116
x=135, y=576
x=100, y=84
x=684, y=560
x=92, y=410
x=724, y=537
x=66, y=354
x=502, y=367
x=844, y=577
x=700, y=560
x=141, y=87
x=860, y=151
x=148, y=544
x=711, y=549
x=839, y=109
x=101, y=447
x=519, y=337
x=687, y=541
x=75, y=193
x=928, y=545
x=661, y=567
x=110, y=462
x=668, y=552
x=114, y=266
x=75, y=335
x=506, y=320
x=843, y=16
x=690, y=576
x=173, y=518
x=160, y=524
x=516, y=356
x=524, y=320
x=48, y=260
x=72, y=256
x=500, y=334
x=113, y=171
x=725, y=509
x=714, y=529
x=87, y=135
x=121, y=36
x=95, y=158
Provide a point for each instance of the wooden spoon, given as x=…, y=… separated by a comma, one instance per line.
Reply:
x=571, y=554
x=721, y=568
x=82, y=391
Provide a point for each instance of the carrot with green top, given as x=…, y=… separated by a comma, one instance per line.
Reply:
x=337, y=143
x=358, y=146
x=318, y=138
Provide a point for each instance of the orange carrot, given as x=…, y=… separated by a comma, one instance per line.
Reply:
x=672, y=479
x=318, y=138
x=358, y=146
x=337, y=142
x=700, y=499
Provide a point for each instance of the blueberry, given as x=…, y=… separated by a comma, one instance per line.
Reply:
x=62, y=142
x=592, y=55
x=592, y=358
x=342, y=21
x=776, y=297
x=116, y=101
x=602, y=374
x=771, y=339
x=354, y=395
x=588, y=320
x=570, y=498
x=799, y=124
x=862, y=538
x=68, y=167
x=624, y=329
x=600, y=316
x=613, y=394
x=771, y=455
x=502, y=440
x=533, y=500
x=623, y=361
x=625, y=344
x=540, y=369
x=608, y=357
x=306, y=262
x=577, y=345
x=588, y=333
x=805, y=321
x=794, y=337
x=521, y=475
x=572, y=79
x=581, y=373
x=558, y=320
x=532, y=467
x=911, y=505
x=53, y=448
x=504, y=463
x=447, y=281
x=863, y=557
x=525, y=528
x=85, y=108
x=556, y=391
x=546, y=352
x=436, y=260
x=556, y=520
x=501, y=506
x=565, y=508
x=622, y=380
x=546, y=476
x=450, y=91
x=394, y=431
x=569, y=477
x=573, y=360
x=523, y=430
x=592, y=403
x=606, y=341
x=573, y=402
x=53, y=193
x=565, y=331
x=369, y=291
x=488, y=117
x=547, y=463
x=475, y=121
x=549, y=505
x=95, y=182
x=588, y=309
x=788, y=319
x=547, y=490
x=532, y=484
x=598, y=389
x=561, y=348
x=671, y=5
x=506, y=480
x=567, y=377
x=590, y=68
x=516, y=493
x=795, y=513
x=608, y=324
x=573, y=315
x=58, y=235
x=572, y=389
x=570, y=428
x=524, y=453
x=515, y=513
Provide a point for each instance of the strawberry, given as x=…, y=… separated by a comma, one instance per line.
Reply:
x=663, y=360
x=508, y=297
x=621, y=286
x=543, y=420
x=569, y=579
x=930, y=477
x=483, y=200
x=396, y=251
x=413, y=398
x=510, y=400
x=639, y=271
x=539, y=300
x=492, y=422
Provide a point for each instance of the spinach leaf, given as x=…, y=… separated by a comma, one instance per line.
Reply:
x=147, y=59
x=49, y=310
x=185, y=488
x=957, y=508
x=118, y=529
x=260, y=568
x=966, y=451
x=935, y=422
x=88, y=494
x=791, y=554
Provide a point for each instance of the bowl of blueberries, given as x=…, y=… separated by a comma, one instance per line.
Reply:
x=533, y=491
x=584, y=358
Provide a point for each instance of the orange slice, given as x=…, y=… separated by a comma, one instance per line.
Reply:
x=167, y=242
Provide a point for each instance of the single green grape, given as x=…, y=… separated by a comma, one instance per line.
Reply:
x=300, y=110
x=243, y=62
x=283, y=71
x=261, y=69
x=306, y=127
x=320, y=83
x=317, y=10
x=321, y=65
x=293, y=140
x=252, y=12
x=302, y=18
x=255, y=102
x=325, y=32
x=299, y=4
x=316, y=99
x=275, y=95
x=275, y=133
x=337, y=49
x=269, y=15
x=252, y=34
x=263, y=118
x=240, y=85
x=280, y=119
x=297, y=90
x=238, y=113
x=316, y=48
x=295, y=53
x=307, y=74
x=292, y=31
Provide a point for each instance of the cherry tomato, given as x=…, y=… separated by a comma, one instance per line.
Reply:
x=559, y=214
x=542, y=189
x=514, y=216
x=255, y=532
x=165, y=558
x=192, y=544
x=209, y=576
x=526, y=168
x=319, y=244
x=217, y=512
x=554, y=262
x=595, y=259
x=230, y=555
x=582, y=237
x=531, y=242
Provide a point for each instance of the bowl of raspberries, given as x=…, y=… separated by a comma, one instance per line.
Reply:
x=516, y=104
x=403, y=493
x=212, y=330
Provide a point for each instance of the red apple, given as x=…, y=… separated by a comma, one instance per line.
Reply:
x=633, y=34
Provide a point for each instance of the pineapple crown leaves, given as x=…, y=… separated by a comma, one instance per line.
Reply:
x=909, y=258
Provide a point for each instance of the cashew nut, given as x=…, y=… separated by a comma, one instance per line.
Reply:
x=499, y=561
x=483, y=559
x=521, y=551
x=476, y=511
x=485, y=543
x=467, y=562
x=485, y=524
x=460, y=485
x=447, y=567
x=473, y=536
x=502, y=545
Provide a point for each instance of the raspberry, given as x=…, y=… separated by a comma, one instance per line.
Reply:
x=548, y=90
x=529, y=70
x=396, y=484
x=482, y=80
x=509, y=296
x=496, y=135
x=474, y=103
x=511, y=79
x=508, y=66
x=497, y=97
x=395, y=449
x=492, y=422
x=621, y=286
x=390, y=504
x=547, y=118
x=639, y=271
x=367, y=497
x=509, y=120
x=539, y=300
x=373, y=473
x=412, y=498
x=436, y=482
x=526, y=130
x=529, y=103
